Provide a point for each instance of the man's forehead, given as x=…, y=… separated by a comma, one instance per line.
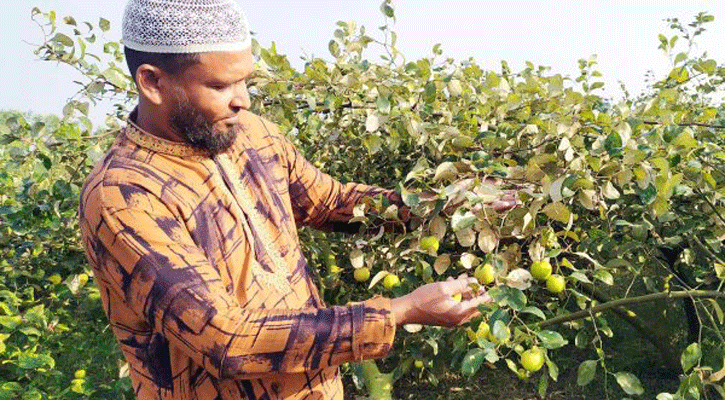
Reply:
x=220, y=63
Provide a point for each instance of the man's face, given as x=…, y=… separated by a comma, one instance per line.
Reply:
x=207, y=98
x=193, y=126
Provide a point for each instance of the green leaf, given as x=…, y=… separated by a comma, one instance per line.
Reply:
x=115, y=77
x=553, y=369
x=507, y=296
x=586, y=372
x=551, y=340
x=32, y=394
x=648, y=195
x=387, y=10
x=557, y=212
x=718, y=311
x=429, y=93
x=3, y=337
x=383, y=104
x=604, y=276
x=691, y=356
x=680, y=57
x=501, y=331
x=579, y=276
x=472, y=361
x=534, y=311
x=334, y=48
x=9, y=390
x=373, y=143
x=63, y=39
x=10, y=321
x=629, y=383
x=32, y=361
x=104, y=24
x=543, y=385
x=462, y=220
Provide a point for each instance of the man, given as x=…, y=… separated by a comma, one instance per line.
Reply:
x=190, y=224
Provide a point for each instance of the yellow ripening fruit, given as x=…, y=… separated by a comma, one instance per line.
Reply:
x=556, y=283
x=533, y=359
x=55, y=279
x=335, y=269
x=429, y=244
x=485, y=274
x=362, y=274
x=83, y=279
x=390, y=281
x=541, y=269
x=418, y=364
x=80, y=374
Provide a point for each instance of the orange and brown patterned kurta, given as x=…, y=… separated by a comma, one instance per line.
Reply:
x=201, y=273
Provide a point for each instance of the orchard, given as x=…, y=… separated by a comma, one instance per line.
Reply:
x=606, y=279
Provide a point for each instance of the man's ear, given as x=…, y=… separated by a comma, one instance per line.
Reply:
x=149, y=80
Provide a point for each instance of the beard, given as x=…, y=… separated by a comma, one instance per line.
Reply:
x=191, y=124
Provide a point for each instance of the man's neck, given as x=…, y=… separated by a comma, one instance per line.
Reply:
x=149, y=122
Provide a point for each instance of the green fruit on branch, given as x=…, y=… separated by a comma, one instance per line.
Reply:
x=390, y=281
x=429, y=244
x=533, y=359
x=485, y=274
x=556, y=283
x=362, y=274
x=541, y=269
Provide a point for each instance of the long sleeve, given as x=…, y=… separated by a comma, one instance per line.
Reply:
x=318, y=199
x=167, y=281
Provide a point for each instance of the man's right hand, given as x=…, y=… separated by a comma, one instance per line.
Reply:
x=433, y=304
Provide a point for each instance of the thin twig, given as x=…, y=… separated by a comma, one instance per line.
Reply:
x=532, y=147
x=700, y=124
x=109, y=133
x=698, y=191
x=628, y=301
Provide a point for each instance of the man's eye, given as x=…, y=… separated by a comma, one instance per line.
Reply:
x=220, y=86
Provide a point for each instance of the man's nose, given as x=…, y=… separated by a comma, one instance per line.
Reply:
x=240, y=100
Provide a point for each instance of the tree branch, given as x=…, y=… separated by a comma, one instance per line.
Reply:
x=700, y=124
x=628, y=301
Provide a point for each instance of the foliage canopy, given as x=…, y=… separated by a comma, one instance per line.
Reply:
x=624, y=199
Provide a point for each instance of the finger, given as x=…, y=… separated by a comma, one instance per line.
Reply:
x=459, y=285
x=469, y=308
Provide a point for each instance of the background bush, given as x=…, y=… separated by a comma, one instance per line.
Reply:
x=624, y=199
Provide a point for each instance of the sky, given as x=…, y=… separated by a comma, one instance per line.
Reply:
x=554, y=33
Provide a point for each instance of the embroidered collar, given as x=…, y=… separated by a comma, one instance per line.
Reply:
x=154, y=143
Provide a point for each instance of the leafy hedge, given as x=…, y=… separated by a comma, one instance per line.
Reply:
x=624, y=199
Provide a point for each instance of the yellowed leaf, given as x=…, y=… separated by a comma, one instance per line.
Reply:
x=442, y=263
x=487, y=240
x=357, y=258
x=468, y=260
x=466, y=237
x=558, y=212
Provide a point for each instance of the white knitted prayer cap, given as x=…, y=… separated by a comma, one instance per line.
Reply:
x=185, y=26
